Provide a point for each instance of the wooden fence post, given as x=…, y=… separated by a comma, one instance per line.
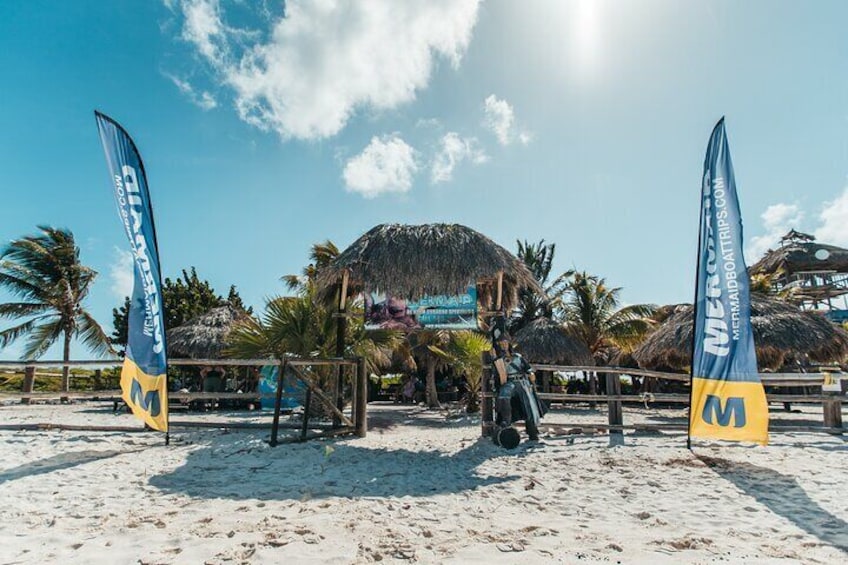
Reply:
x=360, y=418
x=307, y=405
x=616, y=416
x=832, y=408
x=29, y=382
x=278, y=403
x=486, y=402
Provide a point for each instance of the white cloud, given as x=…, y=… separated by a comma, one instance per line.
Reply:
x=327, y=59
x=834, y=221
x=204, y=28
x=204, y=99
x=121, y=273
x=386, y=165
x=778, y=219
x=500, y=119
x=453, y=150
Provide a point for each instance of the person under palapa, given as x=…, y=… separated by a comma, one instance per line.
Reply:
x=515, y=397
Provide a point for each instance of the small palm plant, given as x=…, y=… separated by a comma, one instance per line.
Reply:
x=466, y=350
x=303, y=326
x=45, y=274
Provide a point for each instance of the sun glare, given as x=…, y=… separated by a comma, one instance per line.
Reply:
x=586, y=48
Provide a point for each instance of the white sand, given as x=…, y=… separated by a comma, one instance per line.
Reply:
x=419, y=488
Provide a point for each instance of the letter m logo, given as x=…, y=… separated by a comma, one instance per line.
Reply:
x=149, y=402
x=714, y=413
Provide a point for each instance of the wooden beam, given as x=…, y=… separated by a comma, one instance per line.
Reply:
x=499, y=295
x=278, y=402
x=29, y=382
x=343, y=294
x=361, y=399
x=486, y=400
x=322, y=397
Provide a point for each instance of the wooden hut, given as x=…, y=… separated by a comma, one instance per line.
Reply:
x=543, y=341
x=782, y=334
x=204, y=337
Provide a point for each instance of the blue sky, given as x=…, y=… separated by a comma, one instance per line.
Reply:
x=581, y=122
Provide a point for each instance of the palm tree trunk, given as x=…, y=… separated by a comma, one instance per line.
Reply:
x=66, y=356
x=432, y=393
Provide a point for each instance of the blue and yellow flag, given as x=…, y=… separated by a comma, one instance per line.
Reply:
x=727, y=398
x=144, y=383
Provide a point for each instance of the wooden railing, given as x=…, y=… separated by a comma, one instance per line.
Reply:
x=831, y=402
x=356, y=424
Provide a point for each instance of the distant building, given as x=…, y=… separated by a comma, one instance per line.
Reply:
x=816, y=273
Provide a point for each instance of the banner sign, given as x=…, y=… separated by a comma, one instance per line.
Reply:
x=457, y=312
x=143, y=377
x=727, y=397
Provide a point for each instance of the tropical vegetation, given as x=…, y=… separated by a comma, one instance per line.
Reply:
x=44, y=274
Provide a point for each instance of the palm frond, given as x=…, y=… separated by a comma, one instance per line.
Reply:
x=22, y=309
x=10, y=335
x=41, y=337
x=93, y=336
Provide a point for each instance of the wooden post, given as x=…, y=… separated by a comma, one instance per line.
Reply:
x=486, y=402
x=616, y=416
x=499, y=295
x=278, y=402
x=306, y=407
x=29, y=382
x=832, y=408
x=361, y=399
x=341, y=330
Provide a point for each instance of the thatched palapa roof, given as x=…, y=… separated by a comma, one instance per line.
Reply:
x=545, y=341
x=204, y=337
x=431, y=259
x=781, y=332
x=801, y=252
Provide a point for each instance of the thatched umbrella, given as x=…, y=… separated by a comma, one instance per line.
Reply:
x=545, y=341
x=204, y=337
x=429, y=259
x=781, y=332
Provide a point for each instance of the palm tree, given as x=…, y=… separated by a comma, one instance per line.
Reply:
x=465, y=350
x=302, y=325
x=539, y=259
x=44, y=272
x=430, y=348
x=591, y=314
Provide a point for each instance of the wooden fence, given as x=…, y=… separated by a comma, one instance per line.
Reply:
x=831, y=402
x=356, y=424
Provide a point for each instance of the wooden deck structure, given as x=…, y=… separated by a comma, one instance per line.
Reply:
x=356, y=424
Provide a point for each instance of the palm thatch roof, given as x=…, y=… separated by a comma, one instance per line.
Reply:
x=782, y=333
x=429, y=259
x=801, y=252
x=204, y=337
x=545, y=341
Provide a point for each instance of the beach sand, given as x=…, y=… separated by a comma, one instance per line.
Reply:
x=421, y=487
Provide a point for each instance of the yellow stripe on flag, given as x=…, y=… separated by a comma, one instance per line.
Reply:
x=146, y=395
x=729, y=410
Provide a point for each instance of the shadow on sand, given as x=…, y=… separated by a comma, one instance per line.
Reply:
x=784, y=496
x=248, y=469
x=55, y=463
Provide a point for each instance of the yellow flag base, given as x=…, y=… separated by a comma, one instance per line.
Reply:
x=146, y=395
x=729, y=410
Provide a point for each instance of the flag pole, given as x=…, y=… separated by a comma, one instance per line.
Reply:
x=701, y=221
x=131, y=141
